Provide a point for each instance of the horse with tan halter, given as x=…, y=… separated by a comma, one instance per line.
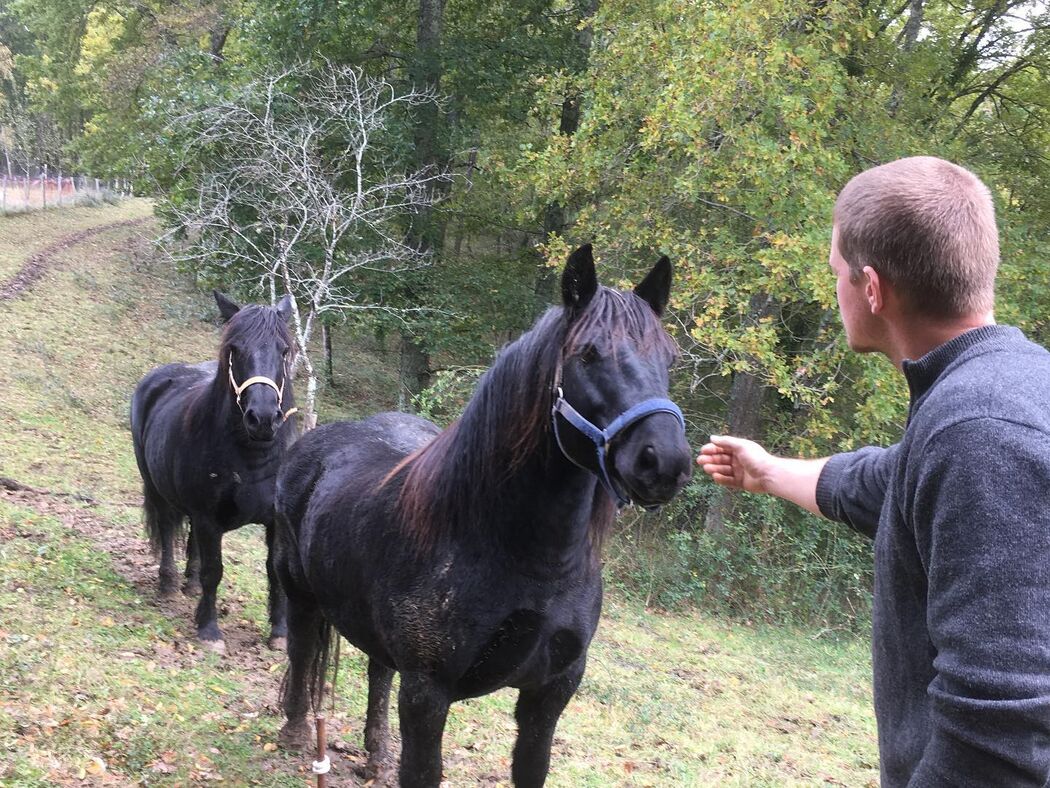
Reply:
x=208, y=448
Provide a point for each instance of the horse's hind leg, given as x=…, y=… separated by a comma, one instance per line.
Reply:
x=537, y=713
x=377, y=725
x=422, y=707
x=208, y=538
x=307, y=634
x=192, y=584
x=278, y=600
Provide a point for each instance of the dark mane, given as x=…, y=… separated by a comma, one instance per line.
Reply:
x=451, y=482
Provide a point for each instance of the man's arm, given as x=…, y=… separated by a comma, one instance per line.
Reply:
x=983, y=531
x=847, y=487
x=744, y=465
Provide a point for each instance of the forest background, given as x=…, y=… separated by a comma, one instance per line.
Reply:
x=717, y=133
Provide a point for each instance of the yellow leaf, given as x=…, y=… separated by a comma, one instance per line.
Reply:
x=270, y=746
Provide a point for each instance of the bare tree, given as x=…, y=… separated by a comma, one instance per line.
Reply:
x=301, y=193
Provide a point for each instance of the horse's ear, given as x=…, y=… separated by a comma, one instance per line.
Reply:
x=284, y=307
x=579, y=282
x=227, y=308
x=655, y=289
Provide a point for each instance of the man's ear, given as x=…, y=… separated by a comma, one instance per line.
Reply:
x=874, y=290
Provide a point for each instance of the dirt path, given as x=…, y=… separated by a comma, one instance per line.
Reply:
x=38, y=263
x=247, y=655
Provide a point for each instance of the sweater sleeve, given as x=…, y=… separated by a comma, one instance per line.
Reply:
x=852, y=487
x=982, y=519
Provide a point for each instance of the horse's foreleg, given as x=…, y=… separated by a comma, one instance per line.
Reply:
x=422, y=708
x=377, y=726
x=278, y=601
x=537, y=714
x=192, y=584
x=305, y=639
x=208, y=539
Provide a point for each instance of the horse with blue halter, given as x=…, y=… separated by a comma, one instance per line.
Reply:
x=469, y=560
x=208, y=441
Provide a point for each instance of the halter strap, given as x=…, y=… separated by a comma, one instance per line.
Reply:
x=239, y=389
x=603, y=437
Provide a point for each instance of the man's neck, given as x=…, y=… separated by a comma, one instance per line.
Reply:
x=913, y=338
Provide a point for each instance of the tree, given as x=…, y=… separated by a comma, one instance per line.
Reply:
x=296, y=192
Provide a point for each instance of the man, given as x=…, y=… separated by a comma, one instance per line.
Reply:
x=960, y=508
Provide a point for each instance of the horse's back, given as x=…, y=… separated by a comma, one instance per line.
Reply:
x=158, y=408
x=164, y=384
x=347, y=455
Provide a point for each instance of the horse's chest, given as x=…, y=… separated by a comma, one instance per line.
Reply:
x=527, y=648
x=239, y=496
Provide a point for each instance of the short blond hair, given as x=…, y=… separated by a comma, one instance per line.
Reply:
x=928, y=227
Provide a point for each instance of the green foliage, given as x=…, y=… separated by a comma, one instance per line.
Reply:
x=772, y=563
x=717, y=133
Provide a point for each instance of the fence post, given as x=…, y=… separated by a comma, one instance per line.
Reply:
x=96, y=187
x=43, y=189
x=3, y=200
x=26, y=206
x=60, y=188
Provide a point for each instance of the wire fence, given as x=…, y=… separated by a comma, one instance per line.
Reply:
x=56, y=189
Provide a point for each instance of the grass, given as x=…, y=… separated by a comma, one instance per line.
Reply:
x=98, y=684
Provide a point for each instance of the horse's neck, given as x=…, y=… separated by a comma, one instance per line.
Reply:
x=216, y=409
x=548, y=512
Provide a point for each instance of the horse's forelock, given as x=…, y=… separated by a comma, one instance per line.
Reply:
x=253, y=325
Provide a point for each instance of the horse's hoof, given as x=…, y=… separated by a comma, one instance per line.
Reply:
x=214, y=646
x=278, y=643
x=192, y=588
x=295, y=735
x=167, y=591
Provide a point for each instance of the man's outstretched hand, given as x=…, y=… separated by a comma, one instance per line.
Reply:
x=736, y=462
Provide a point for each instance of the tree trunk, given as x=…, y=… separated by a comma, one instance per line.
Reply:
x=414, y=372
x=911, y=36
x=326, y=340
x=555, y=216
x=746, y=397
x=426, y=232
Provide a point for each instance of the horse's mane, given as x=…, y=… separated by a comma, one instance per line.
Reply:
x=453, y=481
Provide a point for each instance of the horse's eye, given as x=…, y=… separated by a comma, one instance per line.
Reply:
x=589, y=354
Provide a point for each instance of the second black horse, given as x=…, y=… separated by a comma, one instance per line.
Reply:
x=208, y=440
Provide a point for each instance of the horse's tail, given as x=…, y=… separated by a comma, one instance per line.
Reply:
x=161, y=519
x=316, y=670
x=159, y=516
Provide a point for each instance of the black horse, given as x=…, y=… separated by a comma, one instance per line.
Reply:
x=208, y=440
x=469, y=560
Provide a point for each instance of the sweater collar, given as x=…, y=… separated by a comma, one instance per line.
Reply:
x=924, y=372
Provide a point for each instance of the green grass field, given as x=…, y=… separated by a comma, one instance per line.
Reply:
x=102, y=684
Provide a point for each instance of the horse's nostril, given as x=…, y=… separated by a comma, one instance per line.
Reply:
x=251, y=417
x=647, y=460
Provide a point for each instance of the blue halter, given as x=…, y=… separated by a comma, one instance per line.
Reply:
x=602, y=438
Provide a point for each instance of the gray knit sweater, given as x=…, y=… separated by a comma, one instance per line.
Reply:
x=960, y=514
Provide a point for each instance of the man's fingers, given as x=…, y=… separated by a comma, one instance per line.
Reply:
x=726, y=481
x=728, y=442
x=711, y=469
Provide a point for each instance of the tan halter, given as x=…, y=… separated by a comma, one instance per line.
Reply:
x=239, y=389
